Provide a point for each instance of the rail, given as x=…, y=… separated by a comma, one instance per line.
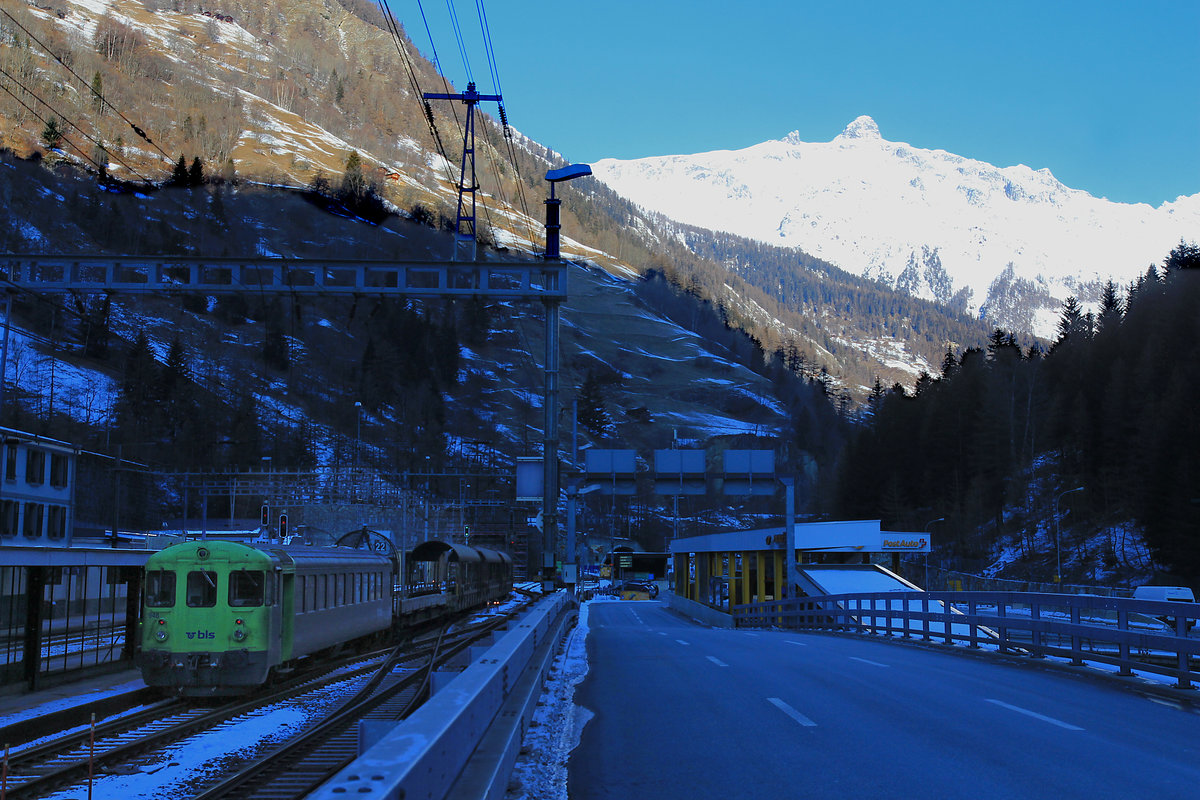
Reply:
x=1149, y=635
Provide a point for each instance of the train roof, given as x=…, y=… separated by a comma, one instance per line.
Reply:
x=205, y=549
x=433, y=550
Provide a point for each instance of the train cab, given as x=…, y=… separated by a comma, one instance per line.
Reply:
x=212, y=616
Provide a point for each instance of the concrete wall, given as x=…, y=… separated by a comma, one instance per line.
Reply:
x=698, y=611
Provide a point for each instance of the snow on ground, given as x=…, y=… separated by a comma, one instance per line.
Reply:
x=205, y=757
x=541, y=769
x=69, y=702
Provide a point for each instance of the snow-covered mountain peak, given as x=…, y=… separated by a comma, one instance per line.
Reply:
x=1010, y=243
x=861, y=128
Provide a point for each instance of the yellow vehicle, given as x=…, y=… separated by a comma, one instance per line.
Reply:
x=636, y=590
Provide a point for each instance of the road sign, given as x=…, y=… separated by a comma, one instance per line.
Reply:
x=536, y=521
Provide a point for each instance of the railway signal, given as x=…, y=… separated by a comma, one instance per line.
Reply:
x=266, y=515
x=283, y=530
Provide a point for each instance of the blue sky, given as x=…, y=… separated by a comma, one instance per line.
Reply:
x=1104, y=94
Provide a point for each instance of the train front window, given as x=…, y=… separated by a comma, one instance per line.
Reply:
x=246, y=588
x=160, y=588
x=202, y=589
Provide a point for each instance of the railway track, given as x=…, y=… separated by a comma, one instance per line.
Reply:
x=38, y=768
x=300, y=766
x=35, y=769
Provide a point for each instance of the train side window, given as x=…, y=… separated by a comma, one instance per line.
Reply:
x=160, y=588
x=247, y=587
x=339, y=597
x=309, y=588
x=202, y=589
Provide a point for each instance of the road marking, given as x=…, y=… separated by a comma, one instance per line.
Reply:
x=1164, y=702
x=717, y=661
x=791, y=712
x=750, y=634
x=802, y=644
x=635, y=616
x=661, y=633
x=1036, y=715
x=865, y=661
x=681, y=641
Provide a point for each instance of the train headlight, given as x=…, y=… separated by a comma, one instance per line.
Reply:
x=161, y=633
x=239, y=635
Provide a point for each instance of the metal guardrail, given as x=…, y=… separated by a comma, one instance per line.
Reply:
x=424, y=755
x=1149, y=635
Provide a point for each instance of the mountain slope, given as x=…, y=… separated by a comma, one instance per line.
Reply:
x=283, y=92
x=930, y=223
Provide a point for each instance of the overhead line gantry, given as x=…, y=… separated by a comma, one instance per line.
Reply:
x=464, y=225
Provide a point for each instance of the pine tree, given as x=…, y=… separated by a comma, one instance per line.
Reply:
x=354, y=183
x=949, y=364
x=1110, y=308
x=52, y=135
x=275, y=344
x=592, y=413
x=1072, y=323
x=98, y=93
x=175, y=392
x=195, y=175
x=1183, y=256
x=244, y=433
x=136, y=407
x=875, y=400
x=179, y=175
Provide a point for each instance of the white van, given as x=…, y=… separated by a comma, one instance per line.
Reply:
x=1178, y=594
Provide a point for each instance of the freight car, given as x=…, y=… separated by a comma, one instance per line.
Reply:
x=451, y=577
x=222, y=617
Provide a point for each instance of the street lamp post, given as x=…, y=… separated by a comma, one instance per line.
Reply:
x=927, y=524
x=1058, y=536
x=357, y=430
x=550, y=444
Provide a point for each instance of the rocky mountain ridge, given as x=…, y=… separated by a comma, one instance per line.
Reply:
x=1007, y=243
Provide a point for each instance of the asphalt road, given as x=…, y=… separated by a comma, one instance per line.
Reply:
x=686, y=711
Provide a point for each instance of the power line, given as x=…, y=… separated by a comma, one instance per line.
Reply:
x=103, y=101
x=47, y=122
x=64, y=118
x=512, y=153
x=487, y=45
x=462, y=47
x=414, y=83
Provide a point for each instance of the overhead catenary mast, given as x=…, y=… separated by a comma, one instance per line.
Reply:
x=464, y=226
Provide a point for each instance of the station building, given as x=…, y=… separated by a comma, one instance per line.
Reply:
x=719, y=570
x=37, y=497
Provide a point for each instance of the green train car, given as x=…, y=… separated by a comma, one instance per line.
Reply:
x=222, y=617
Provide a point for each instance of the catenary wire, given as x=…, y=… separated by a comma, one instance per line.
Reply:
x=56, y=113
x=458, y=36
x=104, y=101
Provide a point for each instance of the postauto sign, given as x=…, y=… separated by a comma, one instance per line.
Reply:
x=903, y=543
